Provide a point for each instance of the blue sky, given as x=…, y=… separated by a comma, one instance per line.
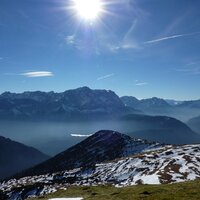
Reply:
x=142, y=48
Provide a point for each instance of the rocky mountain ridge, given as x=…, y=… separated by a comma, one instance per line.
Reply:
x=102, y=146
x=72, y=104
x=168, y=164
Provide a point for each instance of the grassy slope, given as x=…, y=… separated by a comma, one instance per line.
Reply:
x=180, y=191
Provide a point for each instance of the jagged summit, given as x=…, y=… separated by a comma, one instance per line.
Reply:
x=72, y=104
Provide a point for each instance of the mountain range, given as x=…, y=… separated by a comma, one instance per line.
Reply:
x=15, y=157
x=100, y=109
x=71, y=104
x=108, y=157
x=182, y=110
x=87, y=103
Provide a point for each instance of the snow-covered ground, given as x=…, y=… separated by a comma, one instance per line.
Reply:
x=165, y=165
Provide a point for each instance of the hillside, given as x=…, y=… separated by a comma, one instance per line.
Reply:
x=15, y=157
x=159, y=128
x=169, y=164
x=102, y=146
x=194, y=123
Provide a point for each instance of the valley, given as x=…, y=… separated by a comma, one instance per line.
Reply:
x=83, y=111
x=138, y=142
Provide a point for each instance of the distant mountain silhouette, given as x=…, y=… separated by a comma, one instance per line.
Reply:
x=194, y=123
x=173, y=102
x=72, y=104
x=153, y=105
x=182, y=110
x=190, y=104
x=159, y=128
x=85, y=103
x=15, y=157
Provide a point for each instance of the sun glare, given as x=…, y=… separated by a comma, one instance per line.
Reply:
x=88, y=9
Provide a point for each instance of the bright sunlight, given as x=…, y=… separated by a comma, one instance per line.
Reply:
x=88, y=9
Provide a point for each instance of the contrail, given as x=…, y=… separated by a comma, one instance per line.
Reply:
x=170, y=37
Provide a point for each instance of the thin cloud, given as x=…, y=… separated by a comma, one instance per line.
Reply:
x=130, y=31
x=141, y=84
x=127, y=42
x=130, y=45
x=170, y=38
x=113, y=48
x=1, y=58
x=79, y=135
x=77, y=43
x=70, y=39
x=193, y=63
x=104, y=77
x=108, y=43
x=35, y=74
x=189, y=71
x=176, y=23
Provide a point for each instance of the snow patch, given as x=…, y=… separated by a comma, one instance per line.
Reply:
x=79, y=135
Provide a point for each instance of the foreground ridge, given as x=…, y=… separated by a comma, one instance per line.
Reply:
x=102, y=146
x=168, y=164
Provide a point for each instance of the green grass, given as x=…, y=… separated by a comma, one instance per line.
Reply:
x=180, y=191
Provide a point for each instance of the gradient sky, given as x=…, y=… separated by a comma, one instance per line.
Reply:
x=142, y=48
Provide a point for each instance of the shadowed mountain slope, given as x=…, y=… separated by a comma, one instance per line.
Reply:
x=15, y=157
x=102, y=146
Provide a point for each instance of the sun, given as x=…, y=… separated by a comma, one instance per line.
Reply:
x=88, y=9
